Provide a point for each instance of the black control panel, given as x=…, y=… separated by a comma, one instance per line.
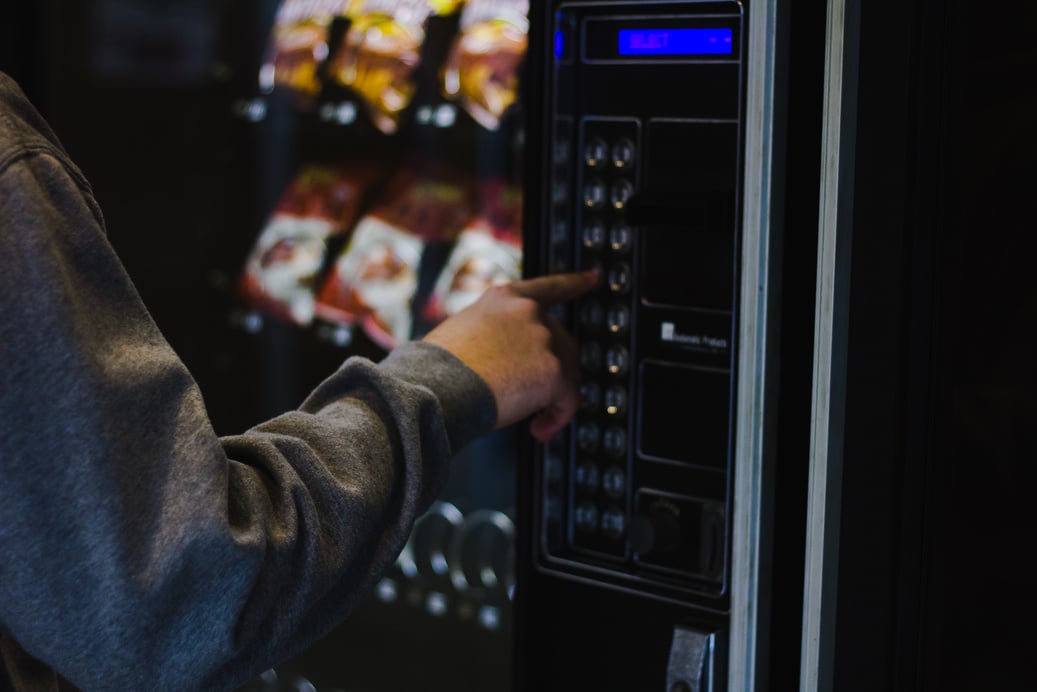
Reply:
x=642, y=179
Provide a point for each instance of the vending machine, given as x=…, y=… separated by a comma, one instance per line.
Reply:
x=661, y=156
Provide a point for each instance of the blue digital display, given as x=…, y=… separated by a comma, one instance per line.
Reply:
x=675, y=41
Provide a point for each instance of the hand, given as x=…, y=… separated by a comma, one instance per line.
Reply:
x=521, y=351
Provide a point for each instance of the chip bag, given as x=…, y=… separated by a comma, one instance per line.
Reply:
x=282, y=268
x=298, y=46
x=481, y=70
x=374, y=279
x=488, y=251
x=380, y=52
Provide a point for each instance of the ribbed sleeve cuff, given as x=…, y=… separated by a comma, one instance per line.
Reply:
x=469, y=409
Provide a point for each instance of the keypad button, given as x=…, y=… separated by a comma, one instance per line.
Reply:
x=585, y=516
x=587, y=436
x=615, y=400
x=594, y=194
x=561, y=153
x=616, y=360
x=595, y=152
x=613, y=523
x=592, y=315
x=587, y=477
x=614, y=482
x=590, y=396
x=622, y=191
x=619, y=278
x=590, y=356
x=594, y=235
x=560, y=232
x=623, y=153
x=621, y=238
x=553, y=468
x=559, y=312
x=559, y=193
x=617, y=319
x=614, y=441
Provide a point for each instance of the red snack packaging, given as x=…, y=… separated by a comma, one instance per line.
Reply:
x=374, y=278
x=488, y=251
x=282, y=267
x=298, y=46
x=481, y=70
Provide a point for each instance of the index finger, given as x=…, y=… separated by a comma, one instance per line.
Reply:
x=557, y=288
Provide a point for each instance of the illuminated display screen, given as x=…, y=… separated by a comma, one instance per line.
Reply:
x=675, y=41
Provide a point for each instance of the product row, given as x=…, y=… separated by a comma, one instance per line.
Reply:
x=352, y=244
x=379, y=50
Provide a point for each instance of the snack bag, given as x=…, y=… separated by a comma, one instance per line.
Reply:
x=374, y=279
x=488, y=252
x=299, y=46
x=481, y=70
x=283, y=265
x=380, y=52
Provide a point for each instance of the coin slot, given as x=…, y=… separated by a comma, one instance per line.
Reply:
x=678, y=533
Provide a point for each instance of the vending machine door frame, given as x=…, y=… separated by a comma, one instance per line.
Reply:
x=761, y=236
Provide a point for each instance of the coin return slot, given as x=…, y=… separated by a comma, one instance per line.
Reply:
x=678, y=533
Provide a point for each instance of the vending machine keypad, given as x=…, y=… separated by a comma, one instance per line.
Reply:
x=645, y=121
x=608, y=178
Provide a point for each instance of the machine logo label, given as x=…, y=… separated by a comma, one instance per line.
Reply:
x=671, y=335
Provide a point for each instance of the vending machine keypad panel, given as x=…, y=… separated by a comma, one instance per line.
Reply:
x=645, y=127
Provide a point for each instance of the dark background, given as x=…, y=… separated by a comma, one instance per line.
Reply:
x=935, y=590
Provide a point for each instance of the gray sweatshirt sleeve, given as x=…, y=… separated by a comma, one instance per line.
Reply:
x=141, y=551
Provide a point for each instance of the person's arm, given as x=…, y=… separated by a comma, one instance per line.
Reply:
x=139, y=550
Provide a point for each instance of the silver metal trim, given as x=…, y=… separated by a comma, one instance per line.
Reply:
x=824, y=494
x=747, y=519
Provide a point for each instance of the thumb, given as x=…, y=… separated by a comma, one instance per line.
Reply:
x=553, y=418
